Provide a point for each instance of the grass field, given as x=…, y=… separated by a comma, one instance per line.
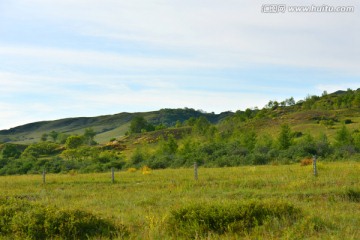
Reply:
x=143, y=203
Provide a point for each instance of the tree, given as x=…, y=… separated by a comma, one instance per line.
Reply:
x=170, y=146
x=190, y=122
x=160, y=126
x=137, y=158
x=356, y=137
x=178, y=124
x=54, y=135
x=137, y=124
x=62, y=137
x=249, y=139
x=323, y=147
x=248, y=113
x=356, y=101
x=201, y=125
x=290, y=101
x=40, y=149
x=285, y=137
x=343, y=136
x=272, y=105
x=89, y=136
x=73, y=142
x=10, y=151
x=44, y=137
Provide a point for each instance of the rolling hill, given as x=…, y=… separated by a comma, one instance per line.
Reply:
x=313, y=115
x=106, y=127
x=280, y=133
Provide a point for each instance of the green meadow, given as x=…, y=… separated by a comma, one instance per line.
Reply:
x=255, y=175
x=148, y=206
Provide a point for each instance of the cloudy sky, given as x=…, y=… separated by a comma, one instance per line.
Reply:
x=69, y=58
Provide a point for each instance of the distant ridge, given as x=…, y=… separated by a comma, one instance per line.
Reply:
x=106, y=126
x=116, y=125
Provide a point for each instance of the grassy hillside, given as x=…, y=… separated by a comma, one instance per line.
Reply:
x=281, y=133
x=144, y=206
x=106, y=127
x=306, y=121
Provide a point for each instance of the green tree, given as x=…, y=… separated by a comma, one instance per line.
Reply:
x=54, y=135
x=190, y=122
x=170, y=146
x=178, y=124
x=10, y=151
x=249, y=140
x=61, y=138
x=137, y=124
x=248, y=113
x=40, y=149
x=323, y=147
x=343, y=136
x=89, y=135
x=356, y=137
x=160, y=126
x=356, y=101
x=285, y=137
x=290, y=101
x=201, y=125
x=44, y=137
x=71, y=154
x=137, y=158
x=73, y=142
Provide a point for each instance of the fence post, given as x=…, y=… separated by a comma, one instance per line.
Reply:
x=44, y=176
x=314, y=166
x=112, y=175
x=195, y=171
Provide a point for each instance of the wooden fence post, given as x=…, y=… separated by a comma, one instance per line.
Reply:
x=314, y=166
x=195, y=171
x=44, y=176
x=112, y=175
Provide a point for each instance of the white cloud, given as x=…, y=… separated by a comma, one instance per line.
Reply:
x=176, y=42
x=48, y=56
x=232, y=33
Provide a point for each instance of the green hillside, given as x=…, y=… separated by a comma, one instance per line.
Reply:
x=106, y=127
x=280, y=133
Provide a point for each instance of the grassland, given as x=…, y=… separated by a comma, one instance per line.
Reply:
x=143, y=202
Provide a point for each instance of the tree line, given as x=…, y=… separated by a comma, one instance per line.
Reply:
x=232, y=142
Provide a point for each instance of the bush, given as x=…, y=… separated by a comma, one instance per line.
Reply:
x=306, y=162
x=352, y=195
x=30, y=220
x=260, y=159
x=347, y=121
x=41, y=149
x=201, y=219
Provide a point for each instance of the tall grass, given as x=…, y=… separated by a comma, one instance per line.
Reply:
x=144, y=202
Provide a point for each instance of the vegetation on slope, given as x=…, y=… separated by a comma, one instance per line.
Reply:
x=280, y=133
x=106, y=127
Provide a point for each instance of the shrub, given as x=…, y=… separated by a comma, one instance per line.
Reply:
x=352, y=195
x=41, y=149
x=306, y=162
x=260, y=159
x=30, y=220
x=145, y=170
x=201, y=219
x=347, y=121
x=131, y=170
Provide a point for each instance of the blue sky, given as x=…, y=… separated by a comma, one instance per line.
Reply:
x=66, y=58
